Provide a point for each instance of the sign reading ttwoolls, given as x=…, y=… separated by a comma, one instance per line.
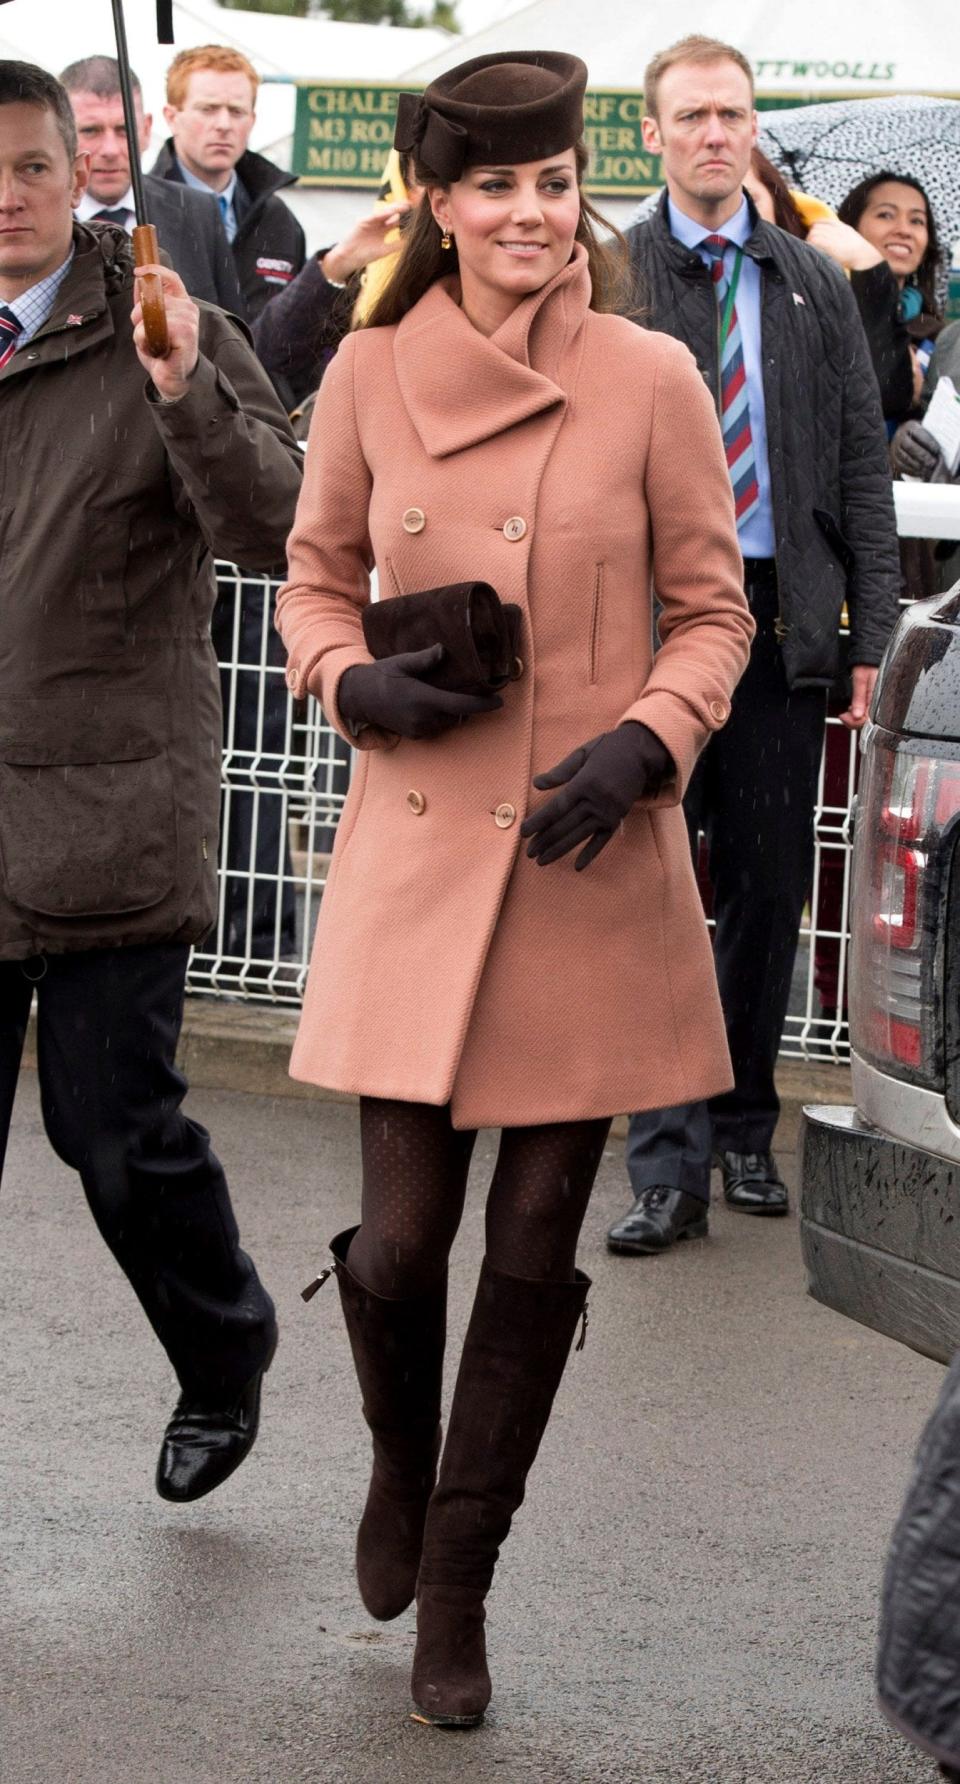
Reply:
x=344, y=130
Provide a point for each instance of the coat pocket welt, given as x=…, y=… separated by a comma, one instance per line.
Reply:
x=82, y=839
x=596, y=625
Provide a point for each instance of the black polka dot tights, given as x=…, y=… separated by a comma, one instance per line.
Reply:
x=415, y=1167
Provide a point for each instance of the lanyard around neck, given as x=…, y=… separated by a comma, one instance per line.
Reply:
x=731, y=300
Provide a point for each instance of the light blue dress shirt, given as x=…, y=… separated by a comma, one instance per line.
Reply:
x=757, y=535
x=224, y=199
x=35, y=305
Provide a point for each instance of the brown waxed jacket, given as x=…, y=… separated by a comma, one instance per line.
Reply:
x=112, y=507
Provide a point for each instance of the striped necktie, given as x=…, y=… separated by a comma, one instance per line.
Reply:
x=737, y=432
x=10, y=331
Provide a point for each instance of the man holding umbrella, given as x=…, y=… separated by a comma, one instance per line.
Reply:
x=121, y=474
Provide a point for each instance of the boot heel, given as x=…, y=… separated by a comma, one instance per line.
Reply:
x=438, y=1721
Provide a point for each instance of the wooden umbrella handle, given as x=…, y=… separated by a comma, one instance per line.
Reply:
x=146, y=252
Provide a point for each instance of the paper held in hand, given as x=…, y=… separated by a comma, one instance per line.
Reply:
x=942, y=420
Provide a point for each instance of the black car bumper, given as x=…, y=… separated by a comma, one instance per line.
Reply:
x=880, y=1230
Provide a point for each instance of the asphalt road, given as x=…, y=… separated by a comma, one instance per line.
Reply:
x=689, y=1593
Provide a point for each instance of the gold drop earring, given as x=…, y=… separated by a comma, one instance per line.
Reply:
x=446, y=239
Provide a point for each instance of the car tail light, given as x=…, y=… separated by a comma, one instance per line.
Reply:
x=907, y=811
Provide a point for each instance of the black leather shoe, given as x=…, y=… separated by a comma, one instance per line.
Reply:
x=202, y=1444
x=658, y=1218
x=752, y=1183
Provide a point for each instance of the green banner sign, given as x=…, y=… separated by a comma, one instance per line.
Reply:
x=344, y=132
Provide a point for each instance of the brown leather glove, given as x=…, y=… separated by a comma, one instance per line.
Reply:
x=915, y=453
x=391, y=695
x=601, y=780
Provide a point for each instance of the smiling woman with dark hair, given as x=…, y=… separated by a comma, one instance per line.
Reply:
x=885, y=237
x=893, y=213
x=510, y=935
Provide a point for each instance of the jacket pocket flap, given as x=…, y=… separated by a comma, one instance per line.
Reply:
x=69, y=730
x=87, y=839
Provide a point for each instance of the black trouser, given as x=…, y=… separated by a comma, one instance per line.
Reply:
x=107, y=1027
x=753, y=794
x=254, y=849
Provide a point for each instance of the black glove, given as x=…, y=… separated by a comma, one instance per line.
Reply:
x=390, y=694
x=914, y=452
x=602, y=779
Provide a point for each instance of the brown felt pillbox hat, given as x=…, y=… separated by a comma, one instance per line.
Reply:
x=521, y=105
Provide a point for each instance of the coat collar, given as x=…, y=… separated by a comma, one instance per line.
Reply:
x=259, y=177
x=102, y=268
x=460, y=387
x=759, y=244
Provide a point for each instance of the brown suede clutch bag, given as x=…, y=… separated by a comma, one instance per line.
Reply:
x=479, y=633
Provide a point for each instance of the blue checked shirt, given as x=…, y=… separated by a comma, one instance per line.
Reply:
x=34, y=306
x=757, y=536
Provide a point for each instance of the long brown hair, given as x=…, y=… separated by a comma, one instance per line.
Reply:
x=785, y=213
x=422, y=261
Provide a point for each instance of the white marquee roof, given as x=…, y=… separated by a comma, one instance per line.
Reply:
x=819, y=47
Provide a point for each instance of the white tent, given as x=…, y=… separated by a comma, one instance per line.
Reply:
x=55, y=32
x=818, y=48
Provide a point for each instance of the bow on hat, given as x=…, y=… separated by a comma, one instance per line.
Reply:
x=437, y=141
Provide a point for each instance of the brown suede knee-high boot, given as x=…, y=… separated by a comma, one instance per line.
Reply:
x=398, y=1355
x=514, y=1355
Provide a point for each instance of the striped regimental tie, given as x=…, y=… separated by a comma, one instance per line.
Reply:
x=10, y=330
x=737, y=432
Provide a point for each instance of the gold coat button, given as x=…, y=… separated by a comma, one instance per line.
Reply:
x=718, y=710
x=416, y=802
x=414, y=520
x=514, y=528
x=504, y=816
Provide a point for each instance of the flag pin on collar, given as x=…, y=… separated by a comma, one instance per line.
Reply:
x=799, y=300
x=74, y=321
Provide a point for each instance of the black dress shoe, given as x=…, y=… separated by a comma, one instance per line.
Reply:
x=752, y=1183
x=658, y=1218
x=203, y=1444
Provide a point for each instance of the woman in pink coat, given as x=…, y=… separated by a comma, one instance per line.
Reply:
x=510, y=933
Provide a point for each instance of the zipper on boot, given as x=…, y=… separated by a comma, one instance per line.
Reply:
x=584, y=1322
x=307, y=1294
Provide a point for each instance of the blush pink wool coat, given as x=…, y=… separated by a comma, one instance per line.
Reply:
x=571, y=459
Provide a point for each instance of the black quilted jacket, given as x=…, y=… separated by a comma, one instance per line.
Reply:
x=918, y=1661
x=835, y=528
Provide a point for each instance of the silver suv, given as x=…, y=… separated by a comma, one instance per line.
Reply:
x=880, y=1213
